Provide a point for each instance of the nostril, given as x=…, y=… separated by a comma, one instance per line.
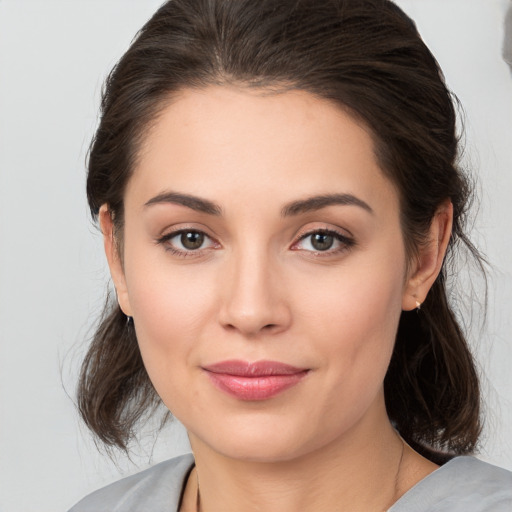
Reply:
x=251, y=306
x=268, y=327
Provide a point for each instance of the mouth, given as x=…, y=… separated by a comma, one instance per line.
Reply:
x=260, y=380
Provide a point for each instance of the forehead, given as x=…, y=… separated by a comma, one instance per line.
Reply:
x=220, y=142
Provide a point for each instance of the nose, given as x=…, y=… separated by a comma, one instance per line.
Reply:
x=254, y=299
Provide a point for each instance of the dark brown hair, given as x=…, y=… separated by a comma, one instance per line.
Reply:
x=367, y=56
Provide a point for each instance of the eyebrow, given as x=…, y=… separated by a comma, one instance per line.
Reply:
x=322, y=201
x=294, y=208
x=195, y=203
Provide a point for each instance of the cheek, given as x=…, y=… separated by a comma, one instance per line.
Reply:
x=358, y=304
x=359, y=314
x=165, y=297
x=170, y=308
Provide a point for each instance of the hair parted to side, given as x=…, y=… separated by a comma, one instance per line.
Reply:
x=365, y=55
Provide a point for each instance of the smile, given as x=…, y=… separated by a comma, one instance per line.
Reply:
x=260, y=380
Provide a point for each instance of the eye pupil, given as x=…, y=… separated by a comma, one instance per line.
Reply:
x=322, y=241
x=192, y=240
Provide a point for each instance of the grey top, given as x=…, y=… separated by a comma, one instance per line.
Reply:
x=464, y=484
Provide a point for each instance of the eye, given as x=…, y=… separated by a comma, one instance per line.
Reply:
x=186, y=241
x=323, y=240
x=191, y=240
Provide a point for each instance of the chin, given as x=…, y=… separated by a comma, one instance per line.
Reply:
x=261, y=451
x=264, y=439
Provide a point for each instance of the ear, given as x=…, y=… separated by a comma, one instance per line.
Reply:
x=430, y=258
x=114, y=260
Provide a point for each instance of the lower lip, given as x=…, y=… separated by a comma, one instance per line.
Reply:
x=257, y=387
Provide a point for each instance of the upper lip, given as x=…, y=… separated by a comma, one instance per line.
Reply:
x=256, y=369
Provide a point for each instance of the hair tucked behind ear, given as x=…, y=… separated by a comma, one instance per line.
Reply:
x=119, y=392
x=367, y=57
x=432, y=388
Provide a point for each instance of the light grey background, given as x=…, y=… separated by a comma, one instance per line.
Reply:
x=54, y=56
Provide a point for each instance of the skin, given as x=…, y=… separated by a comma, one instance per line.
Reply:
x=257, y=289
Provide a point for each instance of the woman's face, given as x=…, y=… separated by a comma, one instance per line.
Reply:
x=260, y=229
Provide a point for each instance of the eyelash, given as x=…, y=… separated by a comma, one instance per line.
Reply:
x=346, y=243
x=164, y=240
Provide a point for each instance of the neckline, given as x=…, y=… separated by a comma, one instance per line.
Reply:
x=418, y=489
x=425, y=482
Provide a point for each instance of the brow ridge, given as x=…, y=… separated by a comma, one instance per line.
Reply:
x=322, y=201
x=192, y=202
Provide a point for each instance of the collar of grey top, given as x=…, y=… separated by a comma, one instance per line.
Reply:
x=465, y=484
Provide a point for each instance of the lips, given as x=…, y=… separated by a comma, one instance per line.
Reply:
x=260, y=380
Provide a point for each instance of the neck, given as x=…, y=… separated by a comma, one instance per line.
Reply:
x=359, y=472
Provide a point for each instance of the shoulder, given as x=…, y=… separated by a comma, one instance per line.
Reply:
x=463, y=484
x=153, y=490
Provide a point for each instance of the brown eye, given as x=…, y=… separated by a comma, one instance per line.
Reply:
x=326, y=241
x=187, y=242
x=192, y=240
x=322, y=241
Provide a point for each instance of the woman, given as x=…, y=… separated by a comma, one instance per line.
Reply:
x=278, y=190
